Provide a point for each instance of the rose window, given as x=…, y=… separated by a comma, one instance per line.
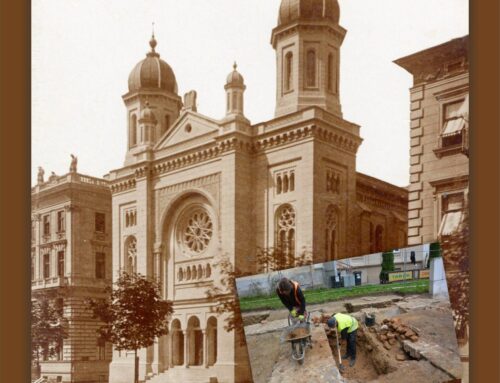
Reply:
x=197, y=232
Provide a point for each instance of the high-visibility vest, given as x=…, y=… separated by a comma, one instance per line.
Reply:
x=346, y=321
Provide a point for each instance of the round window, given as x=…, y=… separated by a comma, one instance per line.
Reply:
x=196, y=231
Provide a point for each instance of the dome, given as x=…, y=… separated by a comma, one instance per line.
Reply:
x=152, y=72
x=294, y=10
x=235, y=78
x=147, y=113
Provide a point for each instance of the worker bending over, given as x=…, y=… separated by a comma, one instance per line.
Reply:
x=292, y=297
x=347, y=326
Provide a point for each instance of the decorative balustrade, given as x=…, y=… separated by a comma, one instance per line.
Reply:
x=195, y=272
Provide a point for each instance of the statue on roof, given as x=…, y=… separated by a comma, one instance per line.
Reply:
x=40, y=174
x=74, y=162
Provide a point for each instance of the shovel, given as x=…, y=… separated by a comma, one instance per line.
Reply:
x=341, y=366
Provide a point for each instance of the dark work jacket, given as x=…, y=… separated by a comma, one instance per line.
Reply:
x=294, y=299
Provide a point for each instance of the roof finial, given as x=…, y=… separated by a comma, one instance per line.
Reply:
x=152, y=42
x=235, y=65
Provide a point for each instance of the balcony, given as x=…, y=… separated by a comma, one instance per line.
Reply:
x=48, y=283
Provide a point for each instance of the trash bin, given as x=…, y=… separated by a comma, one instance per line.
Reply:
x=357, y=277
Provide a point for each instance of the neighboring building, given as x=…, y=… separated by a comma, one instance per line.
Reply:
x=439, y=172
x=194, y=188
x=322, y=275
x=70, y=262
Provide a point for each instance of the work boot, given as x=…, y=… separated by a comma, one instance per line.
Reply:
x=346, y=356
x=352, y=362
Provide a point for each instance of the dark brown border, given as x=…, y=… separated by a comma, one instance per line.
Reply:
x=485, y=192
x=14, y=190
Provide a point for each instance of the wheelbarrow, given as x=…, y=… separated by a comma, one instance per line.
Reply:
x=299, y=335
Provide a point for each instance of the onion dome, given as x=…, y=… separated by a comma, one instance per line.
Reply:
x=234, y=79
x=152, y=73
x=308, y=10
x=147, y=113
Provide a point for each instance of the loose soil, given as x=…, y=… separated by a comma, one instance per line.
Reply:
x=298, y=333
x=264, y=352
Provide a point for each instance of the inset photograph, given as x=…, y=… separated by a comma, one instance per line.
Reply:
x=382, y=317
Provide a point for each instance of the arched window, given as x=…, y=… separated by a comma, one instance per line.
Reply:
x=177, y=339
x=166, y=124
x=180, y=275
x=279, y=185
x=195, y=342
x=235, y=101
x=200, y=272
x=292, y=181
x=379, y=238
x=311, y=68
x=133, y=130
x=193, y=272
x=285, y=234
x=208, y=271
x=285, y=183
x=211, y=341
x=331, y=68
x=228, y=99
x=288, y=71
x=331, y=233
x=131, y=255
x=188, y=274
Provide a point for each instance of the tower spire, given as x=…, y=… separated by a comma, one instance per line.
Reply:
x=152, y=42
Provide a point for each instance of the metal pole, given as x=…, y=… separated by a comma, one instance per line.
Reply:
x=404, y=266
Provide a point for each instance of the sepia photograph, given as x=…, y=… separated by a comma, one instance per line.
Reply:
x=180, y=148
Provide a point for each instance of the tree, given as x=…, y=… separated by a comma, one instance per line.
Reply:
x=134, y=314
x=387, y=265
x=47, y=330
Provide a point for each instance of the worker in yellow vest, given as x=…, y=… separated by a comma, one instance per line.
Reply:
x=347, y=326
x=292, y=298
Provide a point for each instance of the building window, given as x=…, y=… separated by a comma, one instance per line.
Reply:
x=331, y=233
x=133, y=130
x=46, y=225
x=100, y=222
x=61, y=224
x=131, y=255
x=285, y=182
x=33, y=231
x=100, y=265
x=332, y=182
x=452, y=213
x=46, y=265
x=130, y=218
x=288, y=72
x=32, y=268
x=60, y=263
x=101, y=349
x=285, y=234
x=455, y=125
x=197, y=231
x=331, y=74
x=311, y=69
x=167, y=123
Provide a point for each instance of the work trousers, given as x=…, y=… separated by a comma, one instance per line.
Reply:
x=351, y=344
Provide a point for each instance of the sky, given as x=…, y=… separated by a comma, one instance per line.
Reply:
x=84, y=50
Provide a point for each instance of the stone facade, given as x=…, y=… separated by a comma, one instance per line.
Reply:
x=439, y=139
x=194, y=189
x=71, y=262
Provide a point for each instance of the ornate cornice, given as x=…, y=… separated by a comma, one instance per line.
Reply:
x=123, y=185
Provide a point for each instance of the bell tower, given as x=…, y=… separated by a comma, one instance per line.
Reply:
x=307, y=42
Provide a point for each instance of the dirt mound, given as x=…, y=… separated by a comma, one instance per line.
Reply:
x=298, y=333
